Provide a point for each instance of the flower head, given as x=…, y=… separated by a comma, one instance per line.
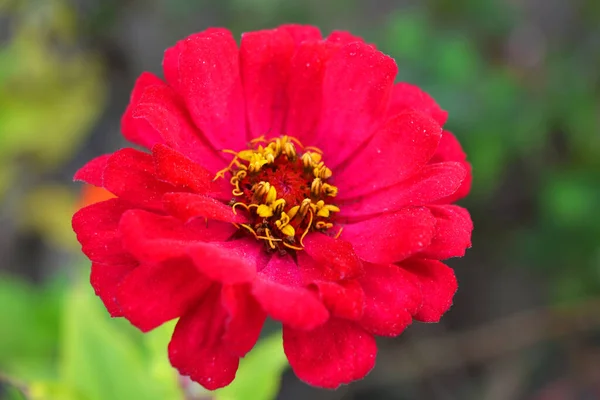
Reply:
x=289, y=178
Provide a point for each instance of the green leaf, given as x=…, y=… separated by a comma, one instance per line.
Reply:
x=100, y=360
x=32, y=313
x=259, y=374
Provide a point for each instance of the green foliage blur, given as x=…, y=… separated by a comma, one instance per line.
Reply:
x=523, y=98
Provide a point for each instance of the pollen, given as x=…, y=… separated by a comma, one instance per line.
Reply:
x=285, y=190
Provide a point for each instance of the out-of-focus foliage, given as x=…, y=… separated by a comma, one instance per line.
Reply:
x=51, y=92
x=544, y=122
x=63, y=345
x=29, y=317
x=259, y=374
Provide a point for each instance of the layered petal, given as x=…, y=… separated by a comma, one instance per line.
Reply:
x=392, y=237
x=156, y=293
x=129, y=175
x=136, y=131
x=333, y=354
x=97, y=229
x=153, y=238
x=245, y=321
x=450, y=149
x=197, y=348
x=438, y=285
x=161, y=111
x=173, y=167
x=452, y=232
x=392, y=296
x=356, y=88
x=205, y=71
x=407, y=97
x=333, y=259
x=302, y=33
x=432, y=183
x=304, y=90
x=105, y=279
x=228, y=263
x=343, y=37
x=265, y=58
x=344, y=299
x=279, y=290
x=397, y=151
x=93, y=171
x=187, y=206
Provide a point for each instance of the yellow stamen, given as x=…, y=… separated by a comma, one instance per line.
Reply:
x=273, y=219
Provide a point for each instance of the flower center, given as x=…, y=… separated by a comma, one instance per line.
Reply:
x=284, y=188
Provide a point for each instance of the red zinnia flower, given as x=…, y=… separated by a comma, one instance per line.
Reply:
x=289, y=178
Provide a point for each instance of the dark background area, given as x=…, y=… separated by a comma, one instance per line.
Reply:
x=521, y=82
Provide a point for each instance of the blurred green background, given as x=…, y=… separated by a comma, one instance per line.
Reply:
x=521, y=81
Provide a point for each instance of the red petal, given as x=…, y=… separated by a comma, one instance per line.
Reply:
x=265, y=68
x=210, y=84
x=335, y=259
x=197, y=349
x=96, y=227
x=227, y=263
x=175, y=168
x=93, y=171
x=305, y=89
x=344, y=299
x=397, y=151
x=245, y=321
x=136, y=131
x=343, y=37
x=129, y=174
x=438, y=285
x=407, y=97
x=452, y=232
x=153, y=294
x=432, y=183
x=356, y=88
x=449, y=149
x=333, y=354
x=277, y=289
x=187, y=206
x=160, y=110
x=152, y=238
x=392, y=237
x=105, y=279
x=301, y=33
x=392, y=295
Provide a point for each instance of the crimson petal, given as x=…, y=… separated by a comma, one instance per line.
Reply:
x=135, y=131
x=152, y=238
x=93, y=171
x=209, y=81
x=153, y=294
x=197, y=349
x=105, y=279
x=392, y=237
x=397, y=151
x=265, y=67
x=333, y=354
x=97, y=229
x=433, y=182
x=279, y=291
x=356, y=88
x=438, y=285
x=245, y=321
x=392, y=296
x=452, y=232
x=129, y=174
x=407, y=97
